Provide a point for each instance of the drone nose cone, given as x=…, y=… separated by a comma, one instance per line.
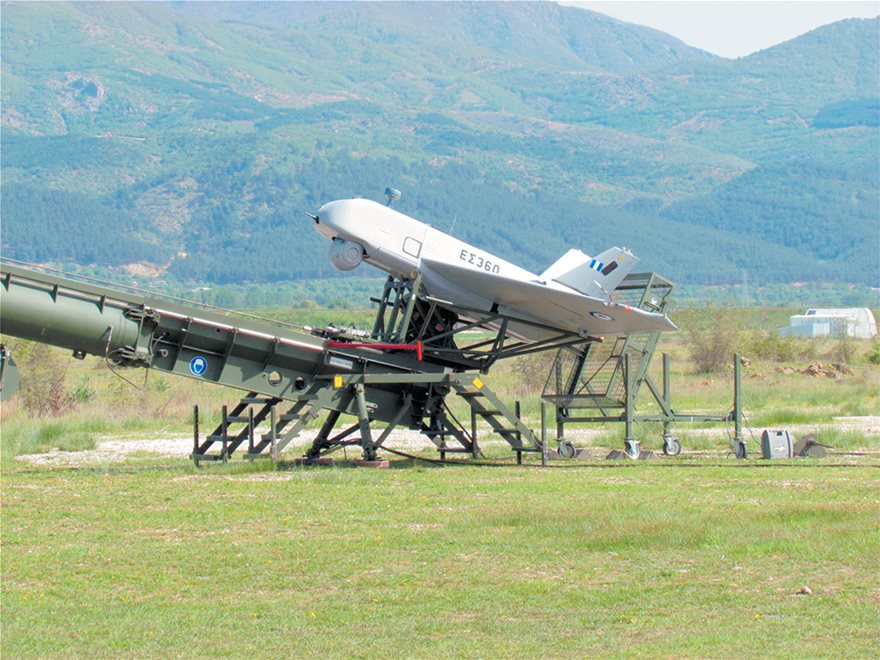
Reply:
x=330, y=220
x=348, y=218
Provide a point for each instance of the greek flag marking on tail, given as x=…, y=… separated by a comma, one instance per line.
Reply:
x=593, y=276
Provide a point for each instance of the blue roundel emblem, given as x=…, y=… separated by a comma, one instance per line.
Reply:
x=198, y=366
x=601, y=316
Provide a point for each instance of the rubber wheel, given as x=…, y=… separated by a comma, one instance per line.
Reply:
x=741, y=450
x=672, y=447
x=566, y=449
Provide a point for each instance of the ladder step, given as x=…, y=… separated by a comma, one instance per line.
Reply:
x=207, y=457
x=488, y=413
x=504, y=431
x=267, y=437
x=219, y=438
x=433, y=434
x=248, y=400
x=236, y=419
x=469, y=394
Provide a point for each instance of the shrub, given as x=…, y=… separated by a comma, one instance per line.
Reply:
x=845, y=347
x=770, y=345
x=530, y=372
x=874, y=354
x=44, y=390
x=713, y=339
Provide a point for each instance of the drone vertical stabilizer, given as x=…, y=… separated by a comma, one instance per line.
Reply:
x=598, y=276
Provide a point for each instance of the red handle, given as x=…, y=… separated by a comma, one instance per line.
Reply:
x=417, y=347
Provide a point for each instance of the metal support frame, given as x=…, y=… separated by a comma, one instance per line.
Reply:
x=631, y=445
x=9, y=378
x=667, y=416
x=601, y=381
x=364, y=423
x=351, y=393
x=737, y=442
x=405, y=315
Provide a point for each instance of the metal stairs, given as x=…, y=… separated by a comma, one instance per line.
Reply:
x=444, y=423
x=234, y=429
x=431, y=416
x=239, y=425
x=485, y=404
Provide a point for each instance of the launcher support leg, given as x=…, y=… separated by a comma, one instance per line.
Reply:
x=474, y=449
x=379, y=324
x=364, y=424
x=560, y=423
x=320, y=441
x=410, y=306
x=195, y=454
x=543, y=432
x=273, y=430
x=671, y=444
x=666, y=392
x=739, y=444
x=543, y=435
x=560, y=412
x=630, y=444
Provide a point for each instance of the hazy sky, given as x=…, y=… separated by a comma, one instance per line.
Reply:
x=733, y=29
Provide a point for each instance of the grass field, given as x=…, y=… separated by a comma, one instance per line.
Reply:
x=158, y=559
x=699, y=555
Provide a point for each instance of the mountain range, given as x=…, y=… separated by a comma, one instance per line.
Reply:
x=183, y=141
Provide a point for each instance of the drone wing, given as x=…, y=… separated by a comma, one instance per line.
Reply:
x=548, y=305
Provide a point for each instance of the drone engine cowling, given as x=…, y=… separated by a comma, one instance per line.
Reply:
x=345, y=255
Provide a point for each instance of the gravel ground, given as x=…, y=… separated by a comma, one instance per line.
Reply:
x=113, y=449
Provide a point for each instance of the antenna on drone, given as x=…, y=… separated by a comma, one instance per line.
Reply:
x=393, y=194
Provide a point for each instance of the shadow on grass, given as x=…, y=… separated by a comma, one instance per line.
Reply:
x=419, y=464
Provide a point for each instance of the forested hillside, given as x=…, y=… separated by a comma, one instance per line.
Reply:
x=184, y=141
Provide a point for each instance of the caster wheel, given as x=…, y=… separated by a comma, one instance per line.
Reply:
x=672, y=447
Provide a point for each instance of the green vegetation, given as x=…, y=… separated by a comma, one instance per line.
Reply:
x=191, y=137
x=874, y=354
x=26, y=438
x=159, y=559
x=861, y=112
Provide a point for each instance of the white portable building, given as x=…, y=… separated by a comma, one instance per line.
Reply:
x=858, y=322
